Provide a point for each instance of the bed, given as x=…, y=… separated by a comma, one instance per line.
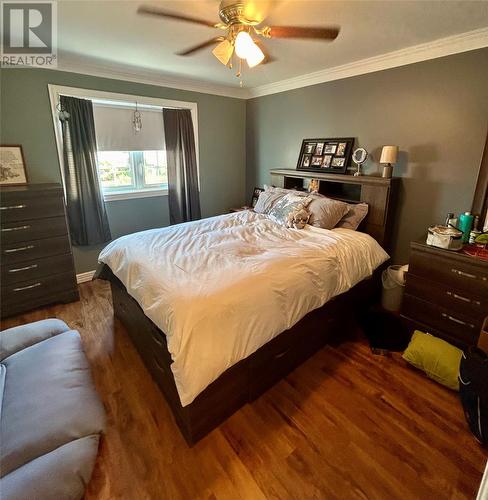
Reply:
x=241, y=300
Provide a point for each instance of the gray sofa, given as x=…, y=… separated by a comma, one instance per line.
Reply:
x=51, y=417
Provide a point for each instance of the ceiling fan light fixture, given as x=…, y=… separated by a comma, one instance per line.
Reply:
x=255, y=56
x=223, y=52
x=243, y=44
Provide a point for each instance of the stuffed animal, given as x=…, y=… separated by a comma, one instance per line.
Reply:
x=298, y=218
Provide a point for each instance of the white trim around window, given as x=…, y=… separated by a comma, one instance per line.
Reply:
x=129, y=195
x=111, y=97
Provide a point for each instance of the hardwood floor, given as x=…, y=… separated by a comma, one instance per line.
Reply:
x=346, y=424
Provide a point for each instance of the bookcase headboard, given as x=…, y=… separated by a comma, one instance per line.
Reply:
x=379, y=193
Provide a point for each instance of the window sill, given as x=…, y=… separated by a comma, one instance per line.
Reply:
x=129, y=195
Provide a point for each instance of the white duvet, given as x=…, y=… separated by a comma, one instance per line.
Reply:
x=222, y=287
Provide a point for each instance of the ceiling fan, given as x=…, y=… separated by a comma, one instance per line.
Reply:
x=242, y=34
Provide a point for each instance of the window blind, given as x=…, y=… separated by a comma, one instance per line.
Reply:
x=115, y=131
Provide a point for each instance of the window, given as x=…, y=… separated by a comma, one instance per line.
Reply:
x=121, y=171
x=130, y=165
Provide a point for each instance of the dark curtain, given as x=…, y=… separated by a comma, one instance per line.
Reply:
x=184, y=199
x=84, y=199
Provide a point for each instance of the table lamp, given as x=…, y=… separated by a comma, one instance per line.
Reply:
x=388, y=156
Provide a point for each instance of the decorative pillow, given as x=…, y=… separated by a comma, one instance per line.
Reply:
x=437, y=358
x=326, y=212
x=266, y=200
x=355, y=215
x=271, y=195
x=288, y=203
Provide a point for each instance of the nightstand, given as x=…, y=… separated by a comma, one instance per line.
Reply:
x=446, y=293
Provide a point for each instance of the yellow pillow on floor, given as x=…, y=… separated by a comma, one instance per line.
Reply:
x=436, y=357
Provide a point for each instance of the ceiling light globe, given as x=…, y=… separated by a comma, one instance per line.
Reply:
x=255, y=56
x=243, y=44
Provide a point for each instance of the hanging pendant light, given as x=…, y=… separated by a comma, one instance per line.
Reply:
x=137, y=120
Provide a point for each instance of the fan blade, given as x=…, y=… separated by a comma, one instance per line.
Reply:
x=154, y=11
x=303, y=32
x=201, y=46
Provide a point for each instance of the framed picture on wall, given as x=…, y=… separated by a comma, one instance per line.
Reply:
x=12, y=165
x=331, y=155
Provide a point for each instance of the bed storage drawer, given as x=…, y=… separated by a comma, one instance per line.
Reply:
x=217, y=402
x=272, y=362
x=280, y=356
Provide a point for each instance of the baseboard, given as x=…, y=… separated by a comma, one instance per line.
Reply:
x=84, y=277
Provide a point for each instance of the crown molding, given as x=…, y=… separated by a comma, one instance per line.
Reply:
x=85, y=66
x=470, y=40
x=455, y=44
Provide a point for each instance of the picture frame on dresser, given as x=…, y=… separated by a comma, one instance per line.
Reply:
x=327, y=155
x=12, y=165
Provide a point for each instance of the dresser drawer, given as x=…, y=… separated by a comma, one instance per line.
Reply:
x=458, y=301
x=32, y=229
x=33, y=269
x=35, y=249
x=462, y=328
x=272, y=362
x=452, y=272
x=27, y=291
x=27, y=206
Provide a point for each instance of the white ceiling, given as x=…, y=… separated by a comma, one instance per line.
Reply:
x=110, y=33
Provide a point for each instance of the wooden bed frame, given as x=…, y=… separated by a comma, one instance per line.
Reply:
x=252, y=376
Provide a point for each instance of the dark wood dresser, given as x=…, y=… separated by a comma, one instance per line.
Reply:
x=446, y=293
x=37, y=264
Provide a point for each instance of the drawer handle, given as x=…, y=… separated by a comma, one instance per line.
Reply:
x=458, y=321
x=462, y=273
x=26, y=268
x=19, y=249
x=464, y=299
x=281, y=354
x=159, y=342
x=158, y=364
x=12, y=207
x=28, y=287
x=18, y=228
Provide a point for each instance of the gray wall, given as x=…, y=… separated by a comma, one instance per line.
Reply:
x=25, y=118
x=436, y=111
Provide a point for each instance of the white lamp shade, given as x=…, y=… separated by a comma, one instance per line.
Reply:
x=389, y=154
x=255, y=56
x=243, y=44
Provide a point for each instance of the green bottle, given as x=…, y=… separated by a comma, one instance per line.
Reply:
x=465, y=223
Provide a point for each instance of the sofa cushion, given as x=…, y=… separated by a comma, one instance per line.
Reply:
x=19, y=337
x=61, y=474
x=48, y=400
